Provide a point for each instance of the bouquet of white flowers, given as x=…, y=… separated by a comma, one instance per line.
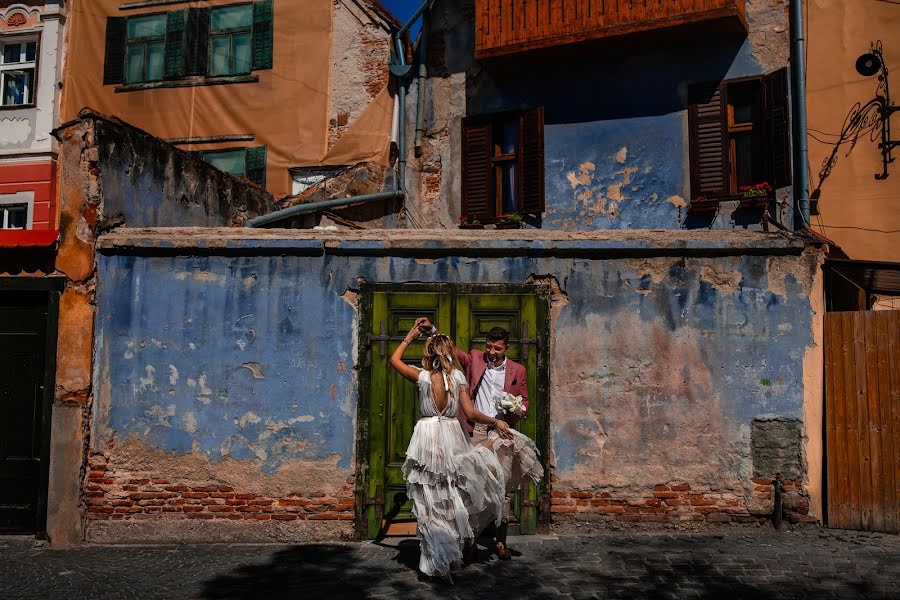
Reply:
x=508, y=404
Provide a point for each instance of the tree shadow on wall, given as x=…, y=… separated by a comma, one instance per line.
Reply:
x=650, y=570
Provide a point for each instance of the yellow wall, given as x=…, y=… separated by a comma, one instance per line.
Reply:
x=287, y=110
x=858, y=212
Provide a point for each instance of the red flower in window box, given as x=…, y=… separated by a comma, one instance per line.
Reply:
x=470, y=223
x=760, y=190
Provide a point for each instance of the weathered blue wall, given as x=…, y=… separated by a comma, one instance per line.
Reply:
x=658, y=365
x=616, y=124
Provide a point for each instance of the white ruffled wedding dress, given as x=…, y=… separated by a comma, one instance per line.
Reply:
x=458, y=488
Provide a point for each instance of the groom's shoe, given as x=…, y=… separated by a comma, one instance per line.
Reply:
x=503, y=552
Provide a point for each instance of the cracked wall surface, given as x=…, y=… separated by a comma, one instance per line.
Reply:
x=658, y=369
x=616, y=124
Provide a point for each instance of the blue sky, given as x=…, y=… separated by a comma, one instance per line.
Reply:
x=403, y=10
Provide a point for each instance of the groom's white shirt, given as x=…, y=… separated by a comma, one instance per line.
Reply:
x=491, y=387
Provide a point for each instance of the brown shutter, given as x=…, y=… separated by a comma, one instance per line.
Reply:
x=777, y=128
x=709, y=142
x=531, y=165
x=114, y=60
x=476, y=168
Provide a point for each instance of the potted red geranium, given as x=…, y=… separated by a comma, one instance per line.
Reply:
x=755, y=196
x=704, y=205
x=467, y=222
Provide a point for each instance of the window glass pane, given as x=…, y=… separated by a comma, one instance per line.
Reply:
x=742, y=98
x=16, y=87
x=242, y=53
x=509, y=137
x=510, y=182
x=220, y=63
x=230, y=161
x=232, y=17
x=18, y=217
x=146, y=27
x=134, y=63
x=156, y=56
x=12, y=53
x=30, y=51
x=743, y=158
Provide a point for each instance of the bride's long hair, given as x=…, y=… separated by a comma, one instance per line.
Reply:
x=440, y=354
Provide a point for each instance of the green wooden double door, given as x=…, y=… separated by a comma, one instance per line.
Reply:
x=466, y=314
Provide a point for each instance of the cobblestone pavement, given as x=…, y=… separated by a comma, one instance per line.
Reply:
x=739, y=563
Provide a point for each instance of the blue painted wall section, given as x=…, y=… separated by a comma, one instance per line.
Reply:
x=253, y=357
x=227, y=358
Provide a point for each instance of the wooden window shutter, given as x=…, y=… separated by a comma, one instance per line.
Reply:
x=777, y=128
x=176, y=43
x=531, y=167
x=263, y=34
x=197, y=41
x=477, y=199
x=256, y=165
x=707, y=117
x=114, y=60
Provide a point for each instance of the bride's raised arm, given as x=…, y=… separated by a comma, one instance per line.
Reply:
x=401, y=367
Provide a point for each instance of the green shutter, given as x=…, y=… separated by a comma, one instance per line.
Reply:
x=256, y=165
x=197, y=41
x=114, y=63
x=176, y=30
x=263, y=16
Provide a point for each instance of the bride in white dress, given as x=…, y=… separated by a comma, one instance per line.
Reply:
x=456, y=487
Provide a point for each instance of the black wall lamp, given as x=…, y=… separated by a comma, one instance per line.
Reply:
x=867, y=65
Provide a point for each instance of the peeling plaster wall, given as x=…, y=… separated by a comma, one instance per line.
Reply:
x=616, y=124
x=226, y=368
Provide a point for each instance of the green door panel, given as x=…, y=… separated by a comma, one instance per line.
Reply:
x=393, y=404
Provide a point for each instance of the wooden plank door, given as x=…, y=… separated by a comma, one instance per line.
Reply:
x=476, y=314
x=23, y=322
x=862, y=420
x=394, y=407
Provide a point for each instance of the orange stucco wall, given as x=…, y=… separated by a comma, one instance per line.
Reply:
x=287, y=110
x=858, y=212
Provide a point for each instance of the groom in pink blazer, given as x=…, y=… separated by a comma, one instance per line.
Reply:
x=489, y=372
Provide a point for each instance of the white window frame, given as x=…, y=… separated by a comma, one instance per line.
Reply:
x=20, y=199
x=22, y=65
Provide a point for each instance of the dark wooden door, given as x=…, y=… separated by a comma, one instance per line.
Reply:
x=862, y=420
x=393, y=409
x=23, y=326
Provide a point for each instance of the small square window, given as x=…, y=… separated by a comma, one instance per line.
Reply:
x=229, y=161
x=14, y=216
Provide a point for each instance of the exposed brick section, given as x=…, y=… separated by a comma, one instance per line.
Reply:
x=676, y=503
x=117, y=496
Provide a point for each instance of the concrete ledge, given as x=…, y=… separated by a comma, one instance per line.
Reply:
x=218, y=531
x=439, y=243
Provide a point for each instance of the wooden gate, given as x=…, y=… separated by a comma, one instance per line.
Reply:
x=862, y=419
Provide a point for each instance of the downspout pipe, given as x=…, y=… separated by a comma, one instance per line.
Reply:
x=423, y=81
x=798, y=91
x=302, y=209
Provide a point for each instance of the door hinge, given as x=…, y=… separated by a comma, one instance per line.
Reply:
x=382, y=338
x=527, y=341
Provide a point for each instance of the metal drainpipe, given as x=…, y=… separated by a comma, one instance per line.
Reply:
x=799, y=103
x=399, y=181
x=423, y=81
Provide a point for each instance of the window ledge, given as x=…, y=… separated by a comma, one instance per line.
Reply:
x=192, y=82
x=4, y=107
